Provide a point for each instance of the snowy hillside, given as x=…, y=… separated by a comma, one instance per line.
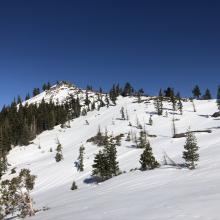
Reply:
x=161, y=194
x=60, y=93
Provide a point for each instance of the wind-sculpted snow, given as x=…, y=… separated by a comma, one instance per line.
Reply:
x=166, y=193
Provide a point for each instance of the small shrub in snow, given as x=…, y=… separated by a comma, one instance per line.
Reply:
x=74, y=186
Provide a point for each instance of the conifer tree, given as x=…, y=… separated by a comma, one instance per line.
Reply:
x=113, y=95
x=180, y=105
x=105, y=163
x=196, y=92
x=15, y=195
x=147, y=159
x=59, y=154
x=142, y=140
x=128, y=90
x=112, y=159
x=36, y=92
x=81, y=158
x=169, y=92
x=4, y=148
x=218, y=98
x=190, y=155
x=207, y=95
x=44, y=87
x=158, y=106
x=173, y=101
x=27, y=97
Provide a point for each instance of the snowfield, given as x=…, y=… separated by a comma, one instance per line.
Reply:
x=166, y=193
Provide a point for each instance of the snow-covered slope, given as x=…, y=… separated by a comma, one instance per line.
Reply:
x=60, y=93
x=164, y=193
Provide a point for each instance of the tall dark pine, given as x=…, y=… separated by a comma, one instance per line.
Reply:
x=196, y=92
x=169, y=92
x=128, y=90
x=36, y=92
x=207, y=95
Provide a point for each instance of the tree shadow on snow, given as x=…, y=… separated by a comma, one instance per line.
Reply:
x=91, y=180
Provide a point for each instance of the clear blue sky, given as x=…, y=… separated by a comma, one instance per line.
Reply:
x=152, y=44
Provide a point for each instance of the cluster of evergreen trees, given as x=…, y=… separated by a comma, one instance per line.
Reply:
x=105, y=163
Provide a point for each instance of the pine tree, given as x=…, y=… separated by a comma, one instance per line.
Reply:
x=196, y=92
x=207, y=95
x=180, y=105
x=15, y=195
x=142, y=140
x=105, y=163
x=147, y=160
x=59, y=154
x=36, y=92
x=4, y=148
x=173, y=101
x=81, y=158
x=169, y=92
x=44, y=87
x=27, y=97
x=113, y=95
x=190, y=155
x=218, y=98
x=112, y=159
x=128, y=90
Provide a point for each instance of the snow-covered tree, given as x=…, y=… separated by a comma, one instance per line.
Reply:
x=59, y=154
x=15, y=195
x=190, y=155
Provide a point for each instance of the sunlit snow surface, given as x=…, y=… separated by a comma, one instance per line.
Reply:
x=166, y=193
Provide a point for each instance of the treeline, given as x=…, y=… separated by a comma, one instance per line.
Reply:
x=20, y=124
